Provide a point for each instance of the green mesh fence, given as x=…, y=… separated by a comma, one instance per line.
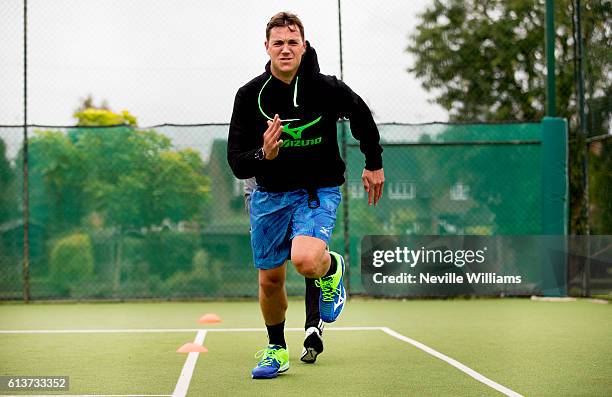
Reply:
x=119, y=213
x=11, y=220
x=449, y=180
x=600, y=184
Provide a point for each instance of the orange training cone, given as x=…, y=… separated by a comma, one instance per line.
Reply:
x=192, y=348
x=209, y=318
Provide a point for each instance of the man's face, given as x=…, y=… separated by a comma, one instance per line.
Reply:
x=285, y=47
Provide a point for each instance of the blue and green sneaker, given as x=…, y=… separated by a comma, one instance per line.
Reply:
x=333, y=294
x=274, y=360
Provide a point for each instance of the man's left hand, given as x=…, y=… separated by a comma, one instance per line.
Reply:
x=373, y=182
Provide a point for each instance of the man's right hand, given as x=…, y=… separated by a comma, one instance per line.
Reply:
x=271, y=142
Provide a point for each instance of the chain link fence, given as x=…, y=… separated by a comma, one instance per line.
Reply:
x=112, y=220
x=123, y=212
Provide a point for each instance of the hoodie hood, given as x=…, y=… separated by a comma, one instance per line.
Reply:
x=309, y=66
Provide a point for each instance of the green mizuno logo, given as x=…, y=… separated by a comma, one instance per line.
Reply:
x=302, y=142
x=296, y=132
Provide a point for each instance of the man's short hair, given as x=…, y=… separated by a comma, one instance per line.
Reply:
x=284, y=19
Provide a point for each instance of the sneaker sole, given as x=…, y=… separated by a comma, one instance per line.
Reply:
x=309, y=355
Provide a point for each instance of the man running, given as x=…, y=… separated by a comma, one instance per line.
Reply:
x=283, y=132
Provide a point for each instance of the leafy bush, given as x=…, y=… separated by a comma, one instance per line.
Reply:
x=203, y=279
x=72, y=261
x=170, y=251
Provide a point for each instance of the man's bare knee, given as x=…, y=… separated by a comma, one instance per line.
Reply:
x=308, y=264
x=271, y=282
x=308, y=256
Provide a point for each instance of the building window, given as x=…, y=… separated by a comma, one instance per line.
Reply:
x=356, y=190
x=402, y=190
x=459, y=192
x=413, y=228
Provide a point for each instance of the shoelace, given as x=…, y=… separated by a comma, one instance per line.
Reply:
x=327, y=289
x=268, y=355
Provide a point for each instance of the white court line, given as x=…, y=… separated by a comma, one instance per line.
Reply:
x=454, y=363
x=98, y=331
x=169, y=330
x=88, y=395
x=183, y=382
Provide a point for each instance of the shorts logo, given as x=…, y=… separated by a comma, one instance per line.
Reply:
x=324, y=230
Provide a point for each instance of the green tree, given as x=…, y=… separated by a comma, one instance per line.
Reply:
x=103, y=118
x=132, y=178
x=9, y=211
x=600, y=182
x=56, y=178
x=8, y=197
x=137, y=181
x=106, y=173
x=484, y=60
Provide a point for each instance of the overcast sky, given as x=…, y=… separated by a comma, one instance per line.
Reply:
x=182, y=61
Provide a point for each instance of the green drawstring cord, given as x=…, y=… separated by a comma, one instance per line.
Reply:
x=295, y=88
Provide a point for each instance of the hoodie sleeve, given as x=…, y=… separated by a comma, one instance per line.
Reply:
x=242, y=143
x=363, y=126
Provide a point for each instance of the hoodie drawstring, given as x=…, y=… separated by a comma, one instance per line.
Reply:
x=297, y=78
x=295, y=92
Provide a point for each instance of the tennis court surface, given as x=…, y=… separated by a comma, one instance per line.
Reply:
x=476, y=347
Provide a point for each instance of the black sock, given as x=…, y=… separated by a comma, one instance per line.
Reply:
x=276, y=334
x=333, y=266
x=311, y=299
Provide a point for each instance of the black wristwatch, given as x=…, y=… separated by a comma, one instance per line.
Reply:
x=260, y=154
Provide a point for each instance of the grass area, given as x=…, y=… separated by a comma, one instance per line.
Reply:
x=97, y=363
x=533, y=348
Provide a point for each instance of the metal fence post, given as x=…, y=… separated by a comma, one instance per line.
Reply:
x=26, y=194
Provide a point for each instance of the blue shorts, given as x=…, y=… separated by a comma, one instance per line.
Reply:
x=277, y=217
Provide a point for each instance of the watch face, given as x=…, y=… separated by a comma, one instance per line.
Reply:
x=259, y=154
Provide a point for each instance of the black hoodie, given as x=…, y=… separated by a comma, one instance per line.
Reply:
x=310, y=107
